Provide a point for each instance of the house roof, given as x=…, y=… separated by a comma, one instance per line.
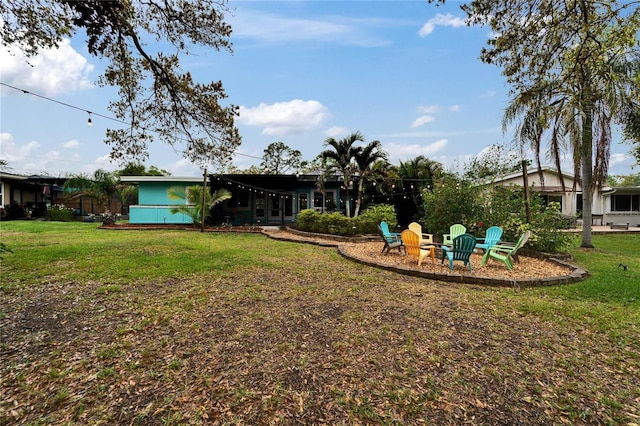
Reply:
x=534, y=172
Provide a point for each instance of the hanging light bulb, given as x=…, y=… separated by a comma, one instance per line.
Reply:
x=89, y=123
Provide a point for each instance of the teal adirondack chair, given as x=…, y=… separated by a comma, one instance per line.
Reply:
x=391, y=239
x=491, y=238
x=463, y=246
x=505, y=252
x=454, y=231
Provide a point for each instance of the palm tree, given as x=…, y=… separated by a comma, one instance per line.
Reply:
x=579, y=117
x=415, y=176
x=341, y=158
x=101, y=187
x=365, y=159
x=192, y=198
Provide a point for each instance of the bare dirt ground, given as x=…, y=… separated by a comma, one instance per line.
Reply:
x=307, y=339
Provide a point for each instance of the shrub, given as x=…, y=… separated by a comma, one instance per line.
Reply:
x=453, y=201
x=368, y=221
x=60, y=213
x=338, y=224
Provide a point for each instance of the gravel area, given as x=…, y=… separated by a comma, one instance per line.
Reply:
x=527, y=268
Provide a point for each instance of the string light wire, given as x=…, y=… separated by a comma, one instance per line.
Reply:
x=106, y=117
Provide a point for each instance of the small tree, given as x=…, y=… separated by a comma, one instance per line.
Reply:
x=278, y=158
x=192, y=198
x=100, y=187
x=453, y=200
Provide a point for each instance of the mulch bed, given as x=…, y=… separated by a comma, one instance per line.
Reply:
x=530, y=270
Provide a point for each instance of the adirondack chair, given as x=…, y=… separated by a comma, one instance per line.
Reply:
x=391, y=239
x=411, y=241
x=491, y=237
x=425, y=239
x=463, y=246
x=505, y=252
x=454, y=231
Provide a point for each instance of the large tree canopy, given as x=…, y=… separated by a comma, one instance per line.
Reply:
x=142, y=42
x=571, y=69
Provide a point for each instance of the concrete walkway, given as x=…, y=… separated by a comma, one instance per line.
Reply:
x=604, y=229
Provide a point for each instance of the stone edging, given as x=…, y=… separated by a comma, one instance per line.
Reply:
x=577, y=274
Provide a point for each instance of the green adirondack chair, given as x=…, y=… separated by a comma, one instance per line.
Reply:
x=454, y=231
x=505, y=252
x=463, y=246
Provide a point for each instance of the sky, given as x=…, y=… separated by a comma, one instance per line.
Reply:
x=405, y=73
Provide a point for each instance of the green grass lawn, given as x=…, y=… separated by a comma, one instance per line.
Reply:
x=182, y=327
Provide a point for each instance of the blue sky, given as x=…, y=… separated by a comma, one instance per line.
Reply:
x=405, y=73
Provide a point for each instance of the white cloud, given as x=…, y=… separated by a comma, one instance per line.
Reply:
x=422, y=120
x=336, y=131
x=454, y=108
x=13, y=153
x=284, y=118
x=104, y=162
x=441, y=20
x=488, y=94
x=407, y=151
x=426, y=117
x=183, y=167
x=271, y=28
x=428, y=109
x=616, y=159
x=73, y=143
x=51, y=72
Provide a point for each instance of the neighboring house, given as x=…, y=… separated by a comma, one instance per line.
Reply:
x=256, y=199
x=30, y=195
x=611, y=205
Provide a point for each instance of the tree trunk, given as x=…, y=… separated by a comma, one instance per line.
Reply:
x=358, y=198
x=346, y=196
x=586, y=164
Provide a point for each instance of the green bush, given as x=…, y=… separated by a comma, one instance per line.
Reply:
x=60, y=213
x=479, y=208
x=338, y=224
x=453, y=201
x=368, y=221
x=308, y=220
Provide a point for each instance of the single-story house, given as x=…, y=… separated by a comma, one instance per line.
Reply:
x=31, y=196
x=611, y=205
x=256, y=199
x=28, y=195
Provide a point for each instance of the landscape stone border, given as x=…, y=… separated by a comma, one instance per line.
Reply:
x=577, y=274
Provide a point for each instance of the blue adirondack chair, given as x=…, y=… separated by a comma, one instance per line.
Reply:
x=491, y=238
x=391, y=239
x=463, y=246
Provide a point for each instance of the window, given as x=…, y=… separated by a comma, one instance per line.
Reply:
x=259, y=205
x=579, y=203
x=288, y=206
x=625, y=203
x=275, y=205
x=548, y=199
x=318, y=200
x=304, y=201
x=239, y=199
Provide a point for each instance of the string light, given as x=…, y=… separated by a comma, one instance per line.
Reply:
x=106, y=117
